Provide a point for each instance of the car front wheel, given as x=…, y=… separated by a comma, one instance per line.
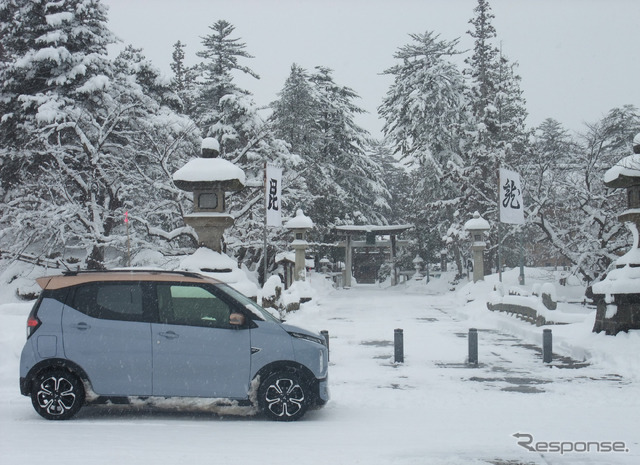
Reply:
x=57, y=394
x=284, y=396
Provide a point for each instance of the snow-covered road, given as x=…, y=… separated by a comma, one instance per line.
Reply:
x=432, y=409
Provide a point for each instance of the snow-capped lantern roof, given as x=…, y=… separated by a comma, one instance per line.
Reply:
x=477, y=223
x=625, y=173
x=209, y=172
x=300, y=221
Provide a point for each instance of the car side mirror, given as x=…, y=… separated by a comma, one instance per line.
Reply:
x=236, y=319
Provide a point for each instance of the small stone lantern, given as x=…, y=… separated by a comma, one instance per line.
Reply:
x=209, y=177
x=324, y=264
x=299, y=225
x=618, y=295
x=417, y=264
x=476, y=227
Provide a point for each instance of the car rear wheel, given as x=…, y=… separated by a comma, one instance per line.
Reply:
x=284, y=396
x=57, y=394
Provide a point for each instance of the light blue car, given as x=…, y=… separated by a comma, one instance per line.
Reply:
x=138, y=335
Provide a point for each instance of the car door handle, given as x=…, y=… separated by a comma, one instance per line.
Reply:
x=169, y=335
x=83, y=326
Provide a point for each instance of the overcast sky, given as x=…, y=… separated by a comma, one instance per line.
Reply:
x=577, y=58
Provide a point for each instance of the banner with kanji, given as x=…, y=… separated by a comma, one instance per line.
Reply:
x=273, y=195
x=511, y=205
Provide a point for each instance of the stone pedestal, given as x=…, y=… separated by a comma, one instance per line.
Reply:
x=622, y=314
x=210, y=228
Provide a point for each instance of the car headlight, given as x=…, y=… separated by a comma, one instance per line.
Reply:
x=308, y=337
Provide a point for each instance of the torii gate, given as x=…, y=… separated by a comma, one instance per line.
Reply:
x=371, y=231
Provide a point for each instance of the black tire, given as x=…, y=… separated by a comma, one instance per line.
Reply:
x=284, y=396
x=57, y=394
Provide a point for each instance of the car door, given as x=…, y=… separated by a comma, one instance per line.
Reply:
x=107, y=332
x=196, y=352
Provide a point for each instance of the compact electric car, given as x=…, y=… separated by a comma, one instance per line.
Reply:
x=125, y=335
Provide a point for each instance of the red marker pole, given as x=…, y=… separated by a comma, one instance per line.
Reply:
x=126, y=221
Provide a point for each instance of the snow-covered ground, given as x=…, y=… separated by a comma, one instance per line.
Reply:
x=432, y=409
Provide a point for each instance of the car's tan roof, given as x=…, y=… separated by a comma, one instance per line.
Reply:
x=71, y=279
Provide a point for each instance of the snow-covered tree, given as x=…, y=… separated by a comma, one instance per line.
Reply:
x=495, y=134
x=424, y=111
x=221, y=54
x=296, y=113
x=184, y=79
x=84, y=128
x=573, y=209
x=424, y=105
x=359, y=193
x=317, y=117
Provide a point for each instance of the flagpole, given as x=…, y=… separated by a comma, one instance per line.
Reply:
x=126, y=221
x=264, y=253
x=521, y=257
x=499, y=230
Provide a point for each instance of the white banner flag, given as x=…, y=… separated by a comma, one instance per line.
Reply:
x=511, y=205
x=273, y=192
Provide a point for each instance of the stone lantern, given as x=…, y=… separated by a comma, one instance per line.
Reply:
x=209, y=177
x=476, y=227
x=417, y=264
x=299, y=225
x=324, y=264
x=618, y=295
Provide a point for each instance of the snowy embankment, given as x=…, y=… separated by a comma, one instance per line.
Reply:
x=431, y=409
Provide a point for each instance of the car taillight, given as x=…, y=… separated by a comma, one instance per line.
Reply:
x=32, y=324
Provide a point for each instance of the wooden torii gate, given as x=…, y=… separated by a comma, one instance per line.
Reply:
x=350, y=232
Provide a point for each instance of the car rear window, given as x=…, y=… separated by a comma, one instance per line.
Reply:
x=110, y=301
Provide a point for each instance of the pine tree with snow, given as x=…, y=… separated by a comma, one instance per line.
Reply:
x=218, y=94
x=357, y=192
x=424, y=113
x=425, y=103
x=494, y=134
x=296, y=113
x=184, y=79
x=317, y=117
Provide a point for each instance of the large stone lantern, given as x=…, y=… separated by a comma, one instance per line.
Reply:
x=299, y=225
x=209, y=177
x=476, y=227
x=618, y=295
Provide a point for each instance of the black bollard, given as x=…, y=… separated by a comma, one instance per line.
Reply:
x=547, y=346
x=398, y=343
x=473, y=346
x=325, y=334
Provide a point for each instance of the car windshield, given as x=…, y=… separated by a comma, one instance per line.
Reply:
x=249, y=304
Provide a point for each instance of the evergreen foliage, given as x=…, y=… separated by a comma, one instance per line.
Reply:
x=317, y=117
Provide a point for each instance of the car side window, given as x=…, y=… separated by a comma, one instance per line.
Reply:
x=110, y=301
x=191, y=305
